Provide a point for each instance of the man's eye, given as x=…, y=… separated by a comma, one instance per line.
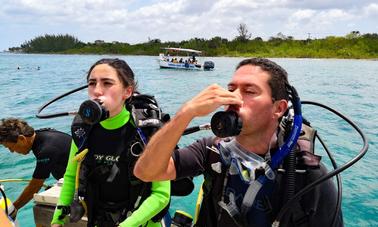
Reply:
x=91, y=83
x=251, y=92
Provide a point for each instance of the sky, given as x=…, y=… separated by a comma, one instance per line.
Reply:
x=135, y=21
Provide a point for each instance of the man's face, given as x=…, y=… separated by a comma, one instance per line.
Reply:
x=257, y=111
x=20, y=147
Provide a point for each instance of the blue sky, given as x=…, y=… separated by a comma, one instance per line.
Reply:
x=134, y=21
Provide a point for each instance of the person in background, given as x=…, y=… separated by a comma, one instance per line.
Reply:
x=258, y=94
x=50, y=147
x=112, y=194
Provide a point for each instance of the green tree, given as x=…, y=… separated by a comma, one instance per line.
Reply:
x=51, y=43
x=244, y=34
x=353, y=35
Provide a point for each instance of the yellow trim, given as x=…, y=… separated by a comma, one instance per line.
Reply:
x=184, y=213
x=19, y=180
x=198, y=204
x=80, y=157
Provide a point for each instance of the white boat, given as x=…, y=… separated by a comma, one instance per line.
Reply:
x=174, y=59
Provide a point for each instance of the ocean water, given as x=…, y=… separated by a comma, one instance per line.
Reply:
x=349, y=86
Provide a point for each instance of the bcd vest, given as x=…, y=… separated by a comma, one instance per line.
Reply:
x=306, y=161
x=106, y=180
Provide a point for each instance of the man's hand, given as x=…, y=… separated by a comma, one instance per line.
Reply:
x=210, y=99
x=156, y=162
x=28, y=193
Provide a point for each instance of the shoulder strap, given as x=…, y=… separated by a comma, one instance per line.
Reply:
x=306, y=160
x=215, y=177
x=306, y=157
x=80, y=132
x=45, y=129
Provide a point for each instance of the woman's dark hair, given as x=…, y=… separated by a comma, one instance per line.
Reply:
x=278, y=76
x=124, y=72
x=12, y=128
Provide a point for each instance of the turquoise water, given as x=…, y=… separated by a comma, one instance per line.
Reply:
x=349, y=86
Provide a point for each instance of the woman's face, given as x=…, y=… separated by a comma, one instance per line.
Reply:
x=105, y=87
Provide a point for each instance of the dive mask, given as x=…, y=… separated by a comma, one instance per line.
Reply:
x=249, y=166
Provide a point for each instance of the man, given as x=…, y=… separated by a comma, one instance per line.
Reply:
x=257, y=93
x=50, y=147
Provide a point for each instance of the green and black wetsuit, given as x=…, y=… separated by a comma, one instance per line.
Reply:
x=109, y=143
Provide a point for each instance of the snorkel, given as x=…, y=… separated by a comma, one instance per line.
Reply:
x=290, y=142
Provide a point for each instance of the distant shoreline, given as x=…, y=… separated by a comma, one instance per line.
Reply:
x=231, y=56
x=352, y=46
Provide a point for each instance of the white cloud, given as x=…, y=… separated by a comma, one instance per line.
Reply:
x=371, y=10
x=133, y=21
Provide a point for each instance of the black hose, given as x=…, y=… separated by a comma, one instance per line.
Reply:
x=290, y=174
x=191, y=130
x=5, y=201
x=197, y=128
x=338, y=180
x=38, y=115
x=362, y=152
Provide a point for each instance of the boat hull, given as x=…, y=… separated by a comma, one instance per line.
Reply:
x=185, y=66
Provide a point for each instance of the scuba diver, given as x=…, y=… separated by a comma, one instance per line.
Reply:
x=99, y=179
x=246, y=172
x=50, y=147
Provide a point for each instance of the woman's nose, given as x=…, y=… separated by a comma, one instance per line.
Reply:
x=97, y=90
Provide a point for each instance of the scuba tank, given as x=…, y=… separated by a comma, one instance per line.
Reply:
x=7, y=206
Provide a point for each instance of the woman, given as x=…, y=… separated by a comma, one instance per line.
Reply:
x=109, y=193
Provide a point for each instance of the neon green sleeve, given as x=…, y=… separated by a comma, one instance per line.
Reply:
x=68, y=188
x=152, y=205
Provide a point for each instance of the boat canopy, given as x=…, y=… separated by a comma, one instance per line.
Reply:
x=182, y=49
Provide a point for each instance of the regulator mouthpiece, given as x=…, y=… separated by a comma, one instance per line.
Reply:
x=92, y=112
x=226, y=124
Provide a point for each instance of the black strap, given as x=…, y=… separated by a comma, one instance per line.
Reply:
x=65, y=211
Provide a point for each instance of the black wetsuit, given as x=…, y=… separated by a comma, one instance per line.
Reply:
x=315, y=209
x=51, y=149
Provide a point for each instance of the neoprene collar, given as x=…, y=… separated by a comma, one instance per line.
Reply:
x=117, y=121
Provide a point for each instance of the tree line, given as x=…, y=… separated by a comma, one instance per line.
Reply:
x=49, y=44
x=352, y=45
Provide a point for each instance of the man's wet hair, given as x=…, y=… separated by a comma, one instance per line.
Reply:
x=11, y=128
x=278, y=76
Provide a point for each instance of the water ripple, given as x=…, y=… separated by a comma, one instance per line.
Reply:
x=349, y=86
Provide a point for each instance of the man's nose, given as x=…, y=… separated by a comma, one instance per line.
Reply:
x=237, y=92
